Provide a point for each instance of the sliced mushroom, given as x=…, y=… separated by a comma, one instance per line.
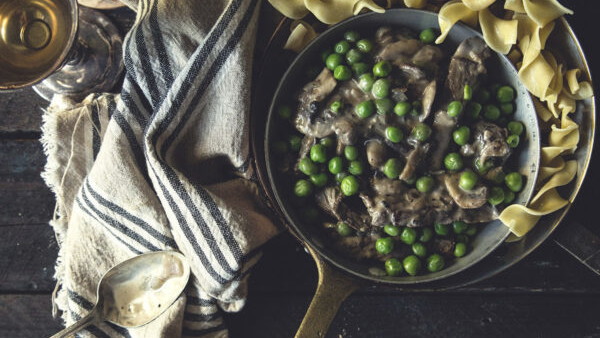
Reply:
x=399, y=50
x=384, y=35
x=467, y=65
x=428, y=55
x=413, y=160
x=471, y=199
x=427, y=99
x=311, y=120
x=330, y=200
x=377, y=208
x=490, y=141
x=375, y=152
x=443, y=125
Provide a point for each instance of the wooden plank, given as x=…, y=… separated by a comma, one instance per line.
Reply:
x=21, y=111
x=27, y=316
x=24, y=197
x=429, y=315
x=27, y=257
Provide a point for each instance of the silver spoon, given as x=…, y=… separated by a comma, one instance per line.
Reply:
x=136, y=291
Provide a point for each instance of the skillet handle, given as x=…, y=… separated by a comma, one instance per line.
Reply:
x=581, y=243
x=332, y=289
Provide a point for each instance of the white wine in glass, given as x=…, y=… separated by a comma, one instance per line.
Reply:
x=58, y=47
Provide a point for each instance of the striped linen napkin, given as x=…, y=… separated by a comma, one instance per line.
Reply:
x=163, y=165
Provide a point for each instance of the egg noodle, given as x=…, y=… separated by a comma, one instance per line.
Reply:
x=522, y=35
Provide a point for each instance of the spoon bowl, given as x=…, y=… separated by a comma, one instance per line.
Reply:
x=137, y=291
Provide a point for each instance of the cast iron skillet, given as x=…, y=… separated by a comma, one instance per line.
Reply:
x=334, y=283
x=490, y=236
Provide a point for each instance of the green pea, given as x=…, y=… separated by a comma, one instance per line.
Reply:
x=336, y=106
x=351, y=153
x=426, y=235
x=441, y=229
x=280, y=147
x=364, y=45
x=382, y=69
x=411, y=264
x=482, y=95
x=473, y=109
x=496, y=196
x=392, y=168
x=391, y=230
x=364, y=109
x=342, y=73
x=340, y=176
x=453, y=161
x=408, y=236
x=285, y=112
x=295, y=142
x=384, y=106
x=365, y=82
x=393, y=267
x=514, y=181
x=455, y=108
x=416, y=108
x=419, y=249
x=333, y=60
x=343, y=229
x=515, y=127
x=394, y=134
x=327, y=142
x=425, y=184
x=342, y=47
x=467, y=180
x=402, y=108
x=307, y=166
x=491, y=112
x=471, y=230
x=303, y=188
x=319, y=180
x=467, y=92
x=360, y=68
x=351, y=36
x=381, y=88
x=384, y=245
x=461, y=135
x=459, y=227
x=318, y=153
x=335, y=165
x=509, y=196
x=513, y=141
x=483, y=168
x=507, y=108
x=427, y=35
x=460, y=249
x=505, y=94
x=349, y=186
x=353, y=56
x=435, y=263
x=421, y=132
x=356, y=168
x=325, y=54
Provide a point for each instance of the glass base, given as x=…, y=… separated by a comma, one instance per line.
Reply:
x=95, y=64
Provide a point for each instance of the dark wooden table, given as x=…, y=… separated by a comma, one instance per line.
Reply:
x=548, y=294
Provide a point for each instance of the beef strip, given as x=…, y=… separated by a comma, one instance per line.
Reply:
x=467, y=65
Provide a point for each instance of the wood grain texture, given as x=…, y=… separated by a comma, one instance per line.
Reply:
x=27, y=316
x=24, y=198
x=27, y=257
x=20, y=111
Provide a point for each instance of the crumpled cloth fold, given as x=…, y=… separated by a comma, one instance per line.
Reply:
x=163, y=165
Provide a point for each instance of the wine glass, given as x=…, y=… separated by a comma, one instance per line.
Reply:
x=58, y=47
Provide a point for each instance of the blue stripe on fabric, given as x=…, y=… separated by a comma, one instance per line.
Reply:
x=118, y=225
x=196, y=66
x=193, y=300
x=146, y=64
x=136, y=149
x=92, y=215
x=189, y=235
x=201, y=317
x=87, y=305
x=159, y=44
x=95, y=129
x=136, y=220
x=201, y=332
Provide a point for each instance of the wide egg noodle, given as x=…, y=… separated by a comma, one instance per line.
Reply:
x=415, y=3
x=452, y=12
x=477, y=5
x=293, y=9
x=369, y=4
x=544, y=11
x=515, y=6
x=302, y=33
x=499, y=34
x=577, y=90
x=537, y=76
x=334, y=11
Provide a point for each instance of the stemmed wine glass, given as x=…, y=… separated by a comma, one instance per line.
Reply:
x=58, y=47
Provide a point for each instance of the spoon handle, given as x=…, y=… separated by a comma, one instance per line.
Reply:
x=90, y=319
